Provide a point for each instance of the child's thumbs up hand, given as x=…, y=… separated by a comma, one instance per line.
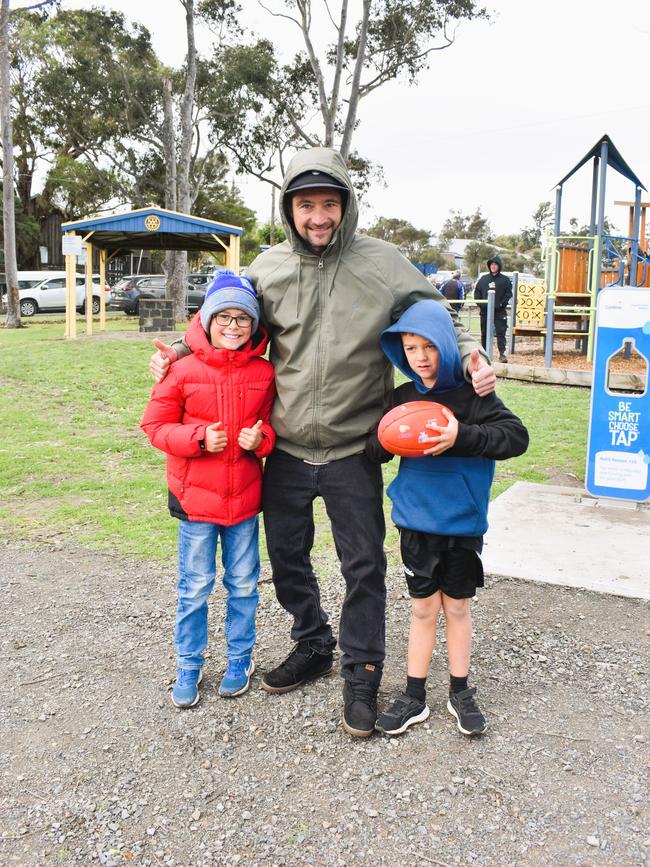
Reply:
x=484, y=379
x=251, y=437
x=215, y=439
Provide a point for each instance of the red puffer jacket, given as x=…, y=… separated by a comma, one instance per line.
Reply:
x=235, y=387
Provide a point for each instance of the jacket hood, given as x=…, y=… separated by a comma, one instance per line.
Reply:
x=497, y=261
x=198, y=342
x=428, y=319
x=332, y=163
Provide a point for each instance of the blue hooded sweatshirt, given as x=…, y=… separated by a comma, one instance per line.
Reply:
x=446, y=494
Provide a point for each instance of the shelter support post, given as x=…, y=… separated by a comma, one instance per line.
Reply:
x=231, y=250
x=233, y=255
x=102, y=294
x=89, y=289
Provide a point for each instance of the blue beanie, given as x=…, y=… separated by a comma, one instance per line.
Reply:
x=228, y=290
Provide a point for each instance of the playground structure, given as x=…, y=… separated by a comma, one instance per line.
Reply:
x=578, y=267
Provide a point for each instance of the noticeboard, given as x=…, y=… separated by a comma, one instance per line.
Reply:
x=618, y=450
x=71, y=245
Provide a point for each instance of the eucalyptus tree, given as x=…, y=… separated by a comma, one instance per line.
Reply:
x=346, y=53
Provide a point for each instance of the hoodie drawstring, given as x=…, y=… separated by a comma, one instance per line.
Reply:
x=336, y=268
x=299, y=293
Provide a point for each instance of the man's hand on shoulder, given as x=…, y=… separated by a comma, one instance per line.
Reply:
x=484, y=379
x=161, y=359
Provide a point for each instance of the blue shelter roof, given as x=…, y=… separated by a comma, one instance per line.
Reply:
x=614, y=159
x=153, y=229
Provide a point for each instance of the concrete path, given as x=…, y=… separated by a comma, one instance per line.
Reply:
x=565, y=536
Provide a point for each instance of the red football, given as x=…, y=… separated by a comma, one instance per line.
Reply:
x=403, y=430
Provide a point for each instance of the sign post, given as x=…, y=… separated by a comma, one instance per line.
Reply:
x=71, y=248
x=618, y=451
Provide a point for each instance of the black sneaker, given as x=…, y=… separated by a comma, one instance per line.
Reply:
x=404, y=712
x=503, y=359
x=360, y=701
x=302, y=664
x=463, y=706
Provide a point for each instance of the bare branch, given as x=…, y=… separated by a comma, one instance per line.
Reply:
x=278, y=14
x=37, y=5
x=301, y=132
x=329, y=14
x=391, y=70
x=304, y=7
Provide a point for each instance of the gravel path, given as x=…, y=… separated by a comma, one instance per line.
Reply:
x=97, y=767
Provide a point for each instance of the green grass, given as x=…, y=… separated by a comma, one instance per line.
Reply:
x=74, y=465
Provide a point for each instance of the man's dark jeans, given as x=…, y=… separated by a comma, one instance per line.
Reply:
x=500, y=327
x=353, y=492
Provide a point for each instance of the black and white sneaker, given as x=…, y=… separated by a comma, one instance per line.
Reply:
x=403, y=713
x=463, y=706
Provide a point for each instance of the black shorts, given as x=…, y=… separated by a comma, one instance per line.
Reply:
x=456, y=571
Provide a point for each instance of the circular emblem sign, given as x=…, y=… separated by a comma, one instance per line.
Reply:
x=152, y=223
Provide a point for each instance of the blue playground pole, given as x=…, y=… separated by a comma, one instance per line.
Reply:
x=601, y=210
x=634, y=246
x=594, y=198
x=550, y=325
x=489, y=325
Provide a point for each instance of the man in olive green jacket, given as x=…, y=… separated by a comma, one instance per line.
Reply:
x=327, y=293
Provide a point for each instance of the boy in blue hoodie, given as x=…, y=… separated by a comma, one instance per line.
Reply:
x=440, y=504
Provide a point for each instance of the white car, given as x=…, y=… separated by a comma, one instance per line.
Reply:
x=44, y=292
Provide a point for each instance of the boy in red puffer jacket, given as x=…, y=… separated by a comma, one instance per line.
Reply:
x=211, y=417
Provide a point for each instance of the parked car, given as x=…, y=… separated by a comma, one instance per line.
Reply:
x=201, y=280
x=44, y=292
x=126, y=294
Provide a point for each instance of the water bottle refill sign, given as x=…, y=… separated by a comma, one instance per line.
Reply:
x=618, y=452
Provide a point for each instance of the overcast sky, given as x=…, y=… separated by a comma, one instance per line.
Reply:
x=499, y=117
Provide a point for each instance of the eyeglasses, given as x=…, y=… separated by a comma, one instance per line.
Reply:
x=242, y=320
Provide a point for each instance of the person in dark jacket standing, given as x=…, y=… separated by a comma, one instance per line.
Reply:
x=211, y=417
x=503, y=293
x=440, y=504
x=327, y=293
x=453, y=289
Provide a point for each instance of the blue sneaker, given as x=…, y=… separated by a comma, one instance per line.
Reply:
x=186, y=689
x=237, y=678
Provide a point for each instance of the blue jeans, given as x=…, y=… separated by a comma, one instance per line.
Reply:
x=197, y=552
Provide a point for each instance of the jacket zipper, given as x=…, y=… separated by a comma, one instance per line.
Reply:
x=230, y=448
x=317, y=360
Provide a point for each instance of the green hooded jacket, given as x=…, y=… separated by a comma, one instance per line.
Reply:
x=325, y=315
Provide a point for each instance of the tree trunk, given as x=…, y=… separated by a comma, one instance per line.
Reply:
x=169, y=150
x=177, y=280
x=9, y=225
x=353, y=102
